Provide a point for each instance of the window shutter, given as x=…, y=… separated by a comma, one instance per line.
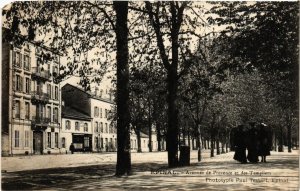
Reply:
x=20, y=60
x=14, y=83
x=21, y=83
x=14, y=58
x=29, y=84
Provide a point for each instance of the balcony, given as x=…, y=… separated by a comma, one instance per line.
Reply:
x=39, y=122
x=39, y=97
x=40, y=74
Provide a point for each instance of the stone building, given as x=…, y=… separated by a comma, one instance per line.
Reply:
x=94, y=105
x=31, y=101
x=76, y=129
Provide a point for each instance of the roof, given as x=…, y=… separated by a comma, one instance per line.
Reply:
x=91, y=95
x=68, y=112
x=143, y=135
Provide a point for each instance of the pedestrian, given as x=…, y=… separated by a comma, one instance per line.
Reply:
x=72, y=148
x=252, y=145
x=265, y=142
x=239, y=144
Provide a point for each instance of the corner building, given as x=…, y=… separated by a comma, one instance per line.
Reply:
x=31, y=100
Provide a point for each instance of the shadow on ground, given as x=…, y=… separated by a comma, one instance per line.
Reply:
x=98, y=177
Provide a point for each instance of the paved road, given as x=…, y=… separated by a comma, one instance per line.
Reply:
x=218, y=173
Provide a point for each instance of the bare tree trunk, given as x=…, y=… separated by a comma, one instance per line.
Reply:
x=123, y=123
x=189, y=138
x=149, y=126
x=158, y=136
x=199, y=144
x=138, y=136
x=280, y=147
x=289, y=128
x=275, y=141
x=208, y=146
x=218, y=145
x=212, y=145
x=223, y=150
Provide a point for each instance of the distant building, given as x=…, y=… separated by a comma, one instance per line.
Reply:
x=96, y=108
x=104, y=136
x=76, y=129
x=30, y=100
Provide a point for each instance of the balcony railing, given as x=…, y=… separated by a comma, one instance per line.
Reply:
x=40, y=121
x=40, y=73
x=39, y=97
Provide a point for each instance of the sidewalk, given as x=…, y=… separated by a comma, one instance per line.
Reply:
x=218, y=173
x=33, y=162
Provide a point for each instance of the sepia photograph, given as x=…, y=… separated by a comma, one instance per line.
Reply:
x=150, y=95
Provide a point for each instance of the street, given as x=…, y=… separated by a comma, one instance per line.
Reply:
x=150, y=172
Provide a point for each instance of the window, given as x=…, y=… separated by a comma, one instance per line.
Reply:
x=17, y=109
x=86, y=142
x=96, y=127
x=96, y=142
x=18, y=83
x=106, y=128
x=68, y=125
x=26, y=62
x=86, y=127
x=18, y=60
x=26, y=139
x=101, y=143
x=49, y=112
x=77, y=127
x=39, y=87
x=100, y=112
x=56, y=93
x=49, y=139
x=96, y=111
x=56, y=140
x=106, y=143
x=17, y=138
x=63, y=142
x=111, y=128
x=55, y=115
x=105, y=113
x=49, y=90
x=27, y=85
x=101, y=127
x=27, y=110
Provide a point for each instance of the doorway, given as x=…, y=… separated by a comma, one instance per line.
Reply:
x=38, y=142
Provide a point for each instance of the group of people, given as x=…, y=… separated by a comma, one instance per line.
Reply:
x=256, y=138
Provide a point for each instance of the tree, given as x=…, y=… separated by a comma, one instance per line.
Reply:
x=123, y=123
x=77, y=29
x=265, y=35
x=166, y=19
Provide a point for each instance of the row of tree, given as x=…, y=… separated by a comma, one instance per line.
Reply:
x=174, y=71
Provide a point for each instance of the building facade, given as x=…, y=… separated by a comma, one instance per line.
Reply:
x=76, y=129
x=99, y=108
x=104, y=134
x=31, y=103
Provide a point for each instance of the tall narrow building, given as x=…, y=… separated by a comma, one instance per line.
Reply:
x=31, y=100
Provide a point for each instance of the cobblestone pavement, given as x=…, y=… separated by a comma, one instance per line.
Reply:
x=221, y=172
